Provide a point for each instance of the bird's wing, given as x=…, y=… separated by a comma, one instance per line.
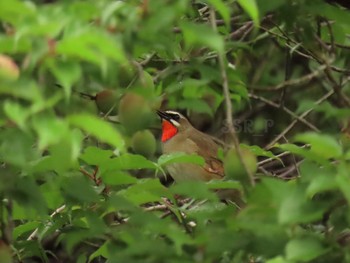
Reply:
x=214, y=166
x=208, y=149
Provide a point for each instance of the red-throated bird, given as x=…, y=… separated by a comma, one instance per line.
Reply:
x=178, y=135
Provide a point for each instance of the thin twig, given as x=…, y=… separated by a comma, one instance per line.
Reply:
x=158, y=207
x=343, y=99
x=309, y=55
x=147, y=59
x=290, y=126
x=290, y=170
x=242, y=31
x=288, y=111
x=83, y=171
x=219, y=22
x=228, y=103
x=265, y=172
x=261, y=163
x=339, y=45
x=294, y=82
x=33, y=235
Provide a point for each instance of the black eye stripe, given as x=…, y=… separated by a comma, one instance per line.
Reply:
x=175, y=117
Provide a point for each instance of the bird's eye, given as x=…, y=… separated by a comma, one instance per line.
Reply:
x=176, y=117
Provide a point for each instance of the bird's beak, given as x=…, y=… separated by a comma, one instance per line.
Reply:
x=163, y=115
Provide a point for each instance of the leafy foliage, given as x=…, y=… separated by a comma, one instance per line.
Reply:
x=74, y=186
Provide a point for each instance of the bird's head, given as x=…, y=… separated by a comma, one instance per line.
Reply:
x=172, y=123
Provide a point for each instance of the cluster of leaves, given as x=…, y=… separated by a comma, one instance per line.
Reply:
x=77, y=185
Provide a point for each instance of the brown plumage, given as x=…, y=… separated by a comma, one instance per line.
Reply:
x=180, y=136
x=189, y=140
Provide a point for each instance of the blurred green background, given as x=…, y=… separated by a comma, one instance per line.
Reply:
x=81, y=177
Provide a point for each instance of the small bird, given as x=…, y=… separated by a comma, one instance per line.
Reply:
x=178, y=135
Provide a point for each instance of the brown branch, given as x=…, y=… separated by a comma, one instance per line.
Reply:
x=33, y=235
x=290, y=126
x=291, y=113
x=261, y=163
x=242, y=31
x=309, y=55
x=83, y=171
x=339, y=45
x=228, y=103
x=158, y=207
x=343, y=99
x=290, y=170
x=294, y=82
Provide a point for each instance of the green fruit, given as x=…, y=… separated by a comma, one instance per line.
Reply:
x=8, y=68
x=345, y=140
x=143, y=142
x=126, y=75
x=145, y=80
x=234, y=168
x=134, y=112
x=107, y=101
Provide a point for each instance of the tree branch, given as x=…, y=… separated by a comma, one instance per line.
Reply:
x=290, y=126
x=228, y=103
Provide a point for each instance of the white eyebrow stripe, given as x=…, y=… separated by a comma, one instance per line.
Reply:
x=172, y=112
x=175, y=123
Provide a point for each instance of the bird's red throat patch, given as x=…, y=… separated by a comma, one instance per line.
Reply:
x=169, y=130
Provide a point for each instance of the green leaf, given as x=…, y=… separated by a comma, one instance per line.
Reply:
x=321, y=183
x=66, y=72
x=180, y=157
x=197, y=190
x=343, y=180
x=304, y=249
x=16, y=147
x=110, y=9
x=63, y=155
x=117, y=178
x=304, y=153
x=27, y=90
x=331, y=111
x=24, y=228
x=96, y=156
x=101, y=251
x=129, y=161
x=93, y=46
x=52, y=194
x=27, y=194
x=192, y=88
x=271, y=5
x=50, y=129
x=14, y=11
x=277, y=259
x=9, y=45
x=258, y=151
x=16, y=113
x=220, y=184
x=223, y=10
x=77, y=188
x=251, y=8
x=323, y=145
x=296, y=208
x=102, y=130
x=196, y=105
x=197, y=34
x=145, y=191
x=329, y=11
